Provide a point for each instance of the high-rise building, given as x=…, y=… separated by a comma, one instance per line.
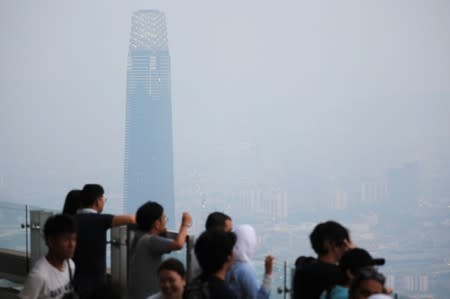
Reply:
x=148, y=129
x=404, y=185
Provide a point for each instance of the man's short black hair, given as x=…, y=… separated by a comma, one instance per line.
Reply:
x=213, y=248
x=90, y=193
x=173, y=264
x=59, y=224
x=216, y=220
x=331, y=232
x=147, y=214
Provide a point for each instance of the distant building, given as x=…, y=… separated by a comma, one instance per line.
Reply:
x=404, y=185
x=148, y=130
x=373, y=192
x=340, y=201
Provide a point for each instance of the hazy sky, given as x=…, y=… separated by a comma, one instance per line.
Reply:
x=346, y=88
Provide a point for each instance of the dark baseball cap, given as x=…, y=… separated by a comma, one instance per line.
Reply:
x=358, y=258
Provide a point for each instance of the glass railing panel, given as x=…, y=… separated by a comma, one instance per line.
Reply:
x=13, y=235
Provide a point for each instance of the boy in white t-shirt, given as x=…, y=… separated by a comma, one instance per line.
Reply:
x=51, y=277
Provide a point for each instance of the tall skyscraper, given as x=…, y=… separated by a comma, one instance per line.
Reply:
x=148, y=129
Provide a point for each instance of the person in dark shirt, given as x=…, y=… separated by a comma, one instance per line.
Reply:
x=312, y=276
x=90, y=253
x=214, y=251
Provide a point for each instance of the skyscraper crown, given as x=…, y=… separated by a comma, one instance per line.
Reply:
x=148, y=30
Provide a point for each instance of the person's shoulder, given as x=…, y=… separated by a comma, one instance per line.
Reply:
x=241, y=268
x=40, y=270
x=219, y=288
x=339, y=292
x=41, y=264
x=158, y=239
x=106, y=216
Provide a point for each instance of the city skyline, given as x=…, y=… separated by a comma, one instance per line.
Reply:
x=284, y=115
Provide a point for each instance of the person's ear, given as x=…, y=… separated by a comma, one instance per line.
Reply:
x=230, y=258
x=349, y=274
x=327, y=246
x=50, y=241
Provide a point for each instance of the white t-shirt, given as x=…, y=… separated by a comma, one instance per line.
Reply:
x=47, y=282
x=156, y=296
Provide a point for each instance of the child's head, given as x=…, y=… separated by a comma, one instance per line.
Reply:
x=60, y=236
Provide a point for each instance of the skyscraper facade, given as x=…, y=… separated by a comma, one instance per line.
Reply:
x=148, y=128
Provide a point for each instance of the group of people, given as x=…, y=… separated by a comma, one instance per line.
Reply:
x=221, y=267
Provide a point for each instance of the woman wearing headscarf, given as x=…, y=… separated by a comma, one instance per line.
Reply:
x=242, y=277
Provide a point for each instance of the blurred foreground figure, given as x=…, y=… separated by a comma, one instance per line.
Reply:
x=214, y=251
x=51, y=276
x=330, y=240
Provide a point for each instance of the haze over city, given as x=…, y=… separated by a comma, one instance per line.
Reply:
x=299, y=112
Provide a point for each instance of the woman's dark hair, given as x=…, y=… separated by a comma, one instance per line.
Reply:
x=173, y=264
x=147, y=214
x=72, y=202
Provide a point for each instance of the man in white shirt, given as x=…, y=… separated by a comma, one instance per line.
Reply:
x=51, y=276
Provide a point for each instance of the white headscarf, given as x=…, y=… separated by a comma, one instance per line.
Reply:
x=246, y=242
x=380, y=296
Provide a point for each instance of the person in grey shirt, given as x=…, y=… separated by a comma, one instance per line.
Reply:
x=148, y=247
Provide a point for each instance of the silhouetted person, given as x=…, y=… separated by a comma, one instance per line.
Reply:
x=72, y=202
x=214, y=251
x=312, y=276
x=219, y=220
x=215, y=220
x=351, y=264
x=90, y=254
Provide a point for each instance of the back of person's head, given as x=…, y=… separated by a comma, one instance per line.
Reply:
x=72, y=202
x=357, y=259
x=147, y=214
x=216, y=220
x=246, y=242
x=361, y=286
x=90, y=193
x=172, y=264
x=213, y=249
x=329, y=232
x=58, y=225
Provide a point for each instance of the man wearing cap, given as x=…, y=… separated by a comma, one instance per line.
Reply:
x=351, y=264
